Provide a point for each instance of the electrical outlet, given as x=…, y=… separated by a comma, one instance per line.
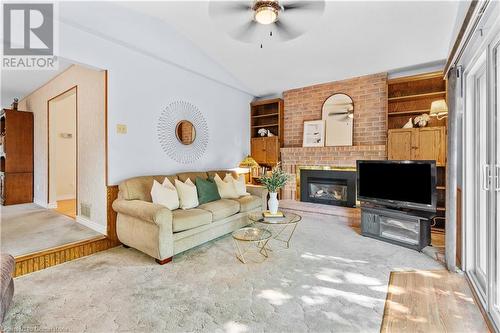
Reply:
x=121, y=129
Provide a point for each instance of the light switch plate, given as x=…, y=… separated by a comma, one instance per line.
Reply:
x=121, y=129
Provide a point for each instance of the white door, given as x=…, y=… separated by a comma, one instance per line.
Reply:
x=495, y=191
x=478, y=168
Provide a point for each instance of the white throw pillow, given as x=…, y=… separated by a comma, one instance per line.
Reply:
x=165, y=194
x=226, y=189
x=188, y=196
x=239, y=184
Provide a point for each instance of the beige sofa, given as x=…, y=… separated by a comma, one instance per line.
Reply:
x=162, y=233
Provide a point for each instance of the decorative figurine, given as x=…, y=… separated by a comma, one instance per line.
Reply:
x=422, y=120
x=409, y=124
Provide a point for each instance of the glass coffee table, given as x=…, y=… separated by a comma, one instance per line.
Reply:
x=245, y=238
x=281, y=226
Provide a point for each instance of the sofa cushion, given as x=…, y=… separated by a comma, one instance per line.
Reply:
x=139, y=188
x=248, y=202
x=222, y=173
x=207, y=190
x=184, y=219
x=227, y=189
x=188, y=196
x=165, y=194
x=191, y=175
x=221, y=208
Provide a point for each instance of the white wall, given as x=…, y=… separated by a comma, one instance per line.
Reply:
x=143, y=80
x=91, y=181
x=62, y=117
x=149, y=66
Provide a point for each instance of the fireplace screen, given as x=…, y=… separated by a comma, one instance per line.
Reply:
x=328, y=192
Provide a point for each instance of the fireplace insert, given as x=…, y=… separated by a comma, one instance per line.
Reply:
x=330, y=187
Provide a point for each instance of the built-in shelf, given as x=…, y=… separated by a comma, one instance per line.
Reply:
x=432, y=94
x=403, y=113
x=265, y=115
x=266, y=125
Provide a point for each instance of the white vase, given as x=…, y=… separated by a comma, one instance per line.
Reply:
x=273, y=202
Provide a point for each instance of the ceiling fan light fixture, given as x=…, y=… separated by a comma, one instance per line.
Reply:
x=266, y=12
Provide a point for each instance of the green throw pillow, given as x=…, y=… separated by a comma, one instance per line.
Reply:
x=207, y=190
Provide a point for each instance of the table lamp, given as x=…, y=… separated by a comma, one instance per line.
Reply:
x=439, y=109
x=249, y=164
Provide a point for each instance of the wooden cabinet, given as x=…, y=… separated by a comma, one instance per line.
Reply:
x=265, y=150
x=266, y=114
x=16, y=157
x=428, y=143
x=399, y=144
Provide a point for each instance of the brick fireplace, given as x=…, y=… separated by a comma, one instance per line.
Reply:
x=369, y=94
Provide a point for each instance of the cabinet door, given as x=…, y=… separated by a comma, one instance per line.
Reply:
x=259, y=150
x=431, y=143
x=272, y=150
x=399, y=144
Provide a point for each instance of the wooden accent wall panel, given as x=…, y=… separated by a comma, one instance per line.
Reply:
x=34, y=262
x=112, y=194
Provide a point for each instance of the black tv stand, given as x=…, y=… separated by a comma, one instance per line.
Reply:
x=405, y=227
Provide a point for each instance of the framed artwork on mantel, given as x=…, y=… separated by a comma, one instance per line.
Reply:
x=314, y=133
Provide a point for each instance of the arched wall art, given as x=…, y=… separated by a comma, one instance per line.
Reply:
x=170, y=117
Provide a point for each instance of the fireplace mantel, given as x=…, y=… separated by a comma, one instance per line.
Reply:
x=294, y=158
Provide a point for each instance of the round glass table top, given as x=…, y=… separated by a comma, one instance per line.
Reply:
x=251, y=234
x=288, y=218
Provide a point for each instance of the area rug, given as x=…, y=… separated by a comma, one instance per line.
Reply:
x=330, y=280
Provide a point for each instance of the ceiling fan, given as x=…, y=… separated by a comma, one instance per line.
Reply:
x=263, y=17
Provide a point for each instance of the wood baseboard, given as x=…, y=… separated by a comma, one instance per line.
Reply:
x=33, y=262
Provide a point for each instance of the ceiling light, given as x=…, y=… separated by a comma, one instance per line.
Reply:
x=266, y=12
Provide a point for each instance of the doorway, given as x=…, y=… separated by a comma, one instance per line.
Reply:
x=62, y=153
x=481, y=161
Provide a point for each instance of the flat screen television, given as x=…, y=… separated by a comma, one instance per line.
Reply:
x=402, y=184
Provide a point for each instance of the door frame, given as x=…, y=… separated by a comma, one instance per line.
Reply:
x=469, y=169
x=76, y=142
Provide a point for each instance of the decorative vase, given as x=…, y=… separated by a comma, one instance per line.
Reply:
x=273, y=202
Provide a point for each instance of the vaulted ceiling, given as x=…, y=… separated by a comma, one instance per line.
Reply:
x=350, y=38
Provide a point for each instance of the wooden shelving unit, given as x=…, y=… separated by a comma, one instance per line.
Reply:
x=16, y=158
x=266, y=114
x=409, y=97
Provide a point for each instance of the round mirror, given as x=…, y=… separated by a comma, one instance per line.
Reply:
x=338, y=104
x=185, y=132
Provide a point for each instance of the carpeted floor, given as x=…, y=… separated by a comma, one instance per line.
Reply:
x=30, y=228
x=331, y=279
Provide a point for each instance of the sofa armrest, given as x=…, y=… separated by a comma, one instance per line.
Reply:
x=259, y=191
x=146, y=211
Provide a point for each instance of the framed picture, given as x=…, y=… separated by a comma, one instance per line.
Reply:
x=314, y=133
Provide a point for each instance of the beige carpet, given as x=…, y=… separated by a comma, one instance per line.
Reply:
x=331, y=279
x=30, y=228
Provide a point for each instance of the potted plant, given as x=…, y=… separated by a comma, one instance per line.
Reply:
x=273, y=181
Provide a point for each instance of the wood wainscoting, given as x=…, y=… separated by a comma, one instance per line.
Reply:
x=33, y=262
x=111, y=195
x=36, y=261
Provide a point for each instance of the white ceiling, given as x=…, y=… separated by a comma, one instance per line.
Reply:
x=351, y=38
x=20, y=83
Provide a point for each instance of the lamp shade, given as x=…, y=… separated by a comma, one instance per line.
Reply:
x=439, y=108
x=248, y=162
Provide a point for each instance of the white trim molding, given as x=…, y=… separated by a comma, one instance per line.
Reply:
x=91, y=224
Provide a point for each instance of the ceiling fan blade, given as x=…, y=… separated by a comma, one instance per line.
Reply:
x=245, y=32
x=285, y=31
x=304, y=5
x=218, y=8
